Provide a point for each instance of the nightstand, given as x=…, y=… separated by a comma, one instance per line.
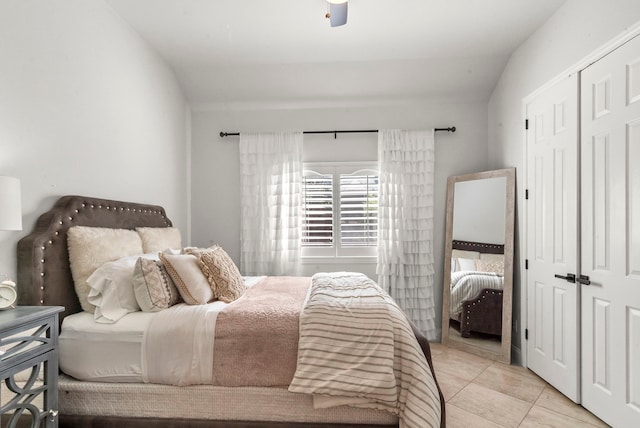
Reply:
x=29, y=366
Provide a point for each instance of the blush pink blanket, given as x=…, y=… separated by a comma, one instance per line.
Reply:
x=256, y=338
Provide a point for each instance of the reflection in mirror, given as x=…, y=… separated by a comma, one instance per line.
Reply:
x=479, y=246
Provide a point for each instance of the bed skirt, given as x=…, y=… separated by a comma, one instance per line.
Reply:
x=90, y=404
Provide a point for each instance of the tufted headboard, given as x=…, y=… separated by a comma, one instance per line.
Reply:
x=44, y=275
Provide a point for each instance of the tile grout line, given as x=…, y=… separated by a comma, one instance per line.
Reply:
x=492, y=364
x=469, y=382
x=532, y=405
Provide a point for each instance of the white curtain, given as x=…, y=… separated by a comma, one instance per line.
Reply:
x=405, y=229
x=270, y=200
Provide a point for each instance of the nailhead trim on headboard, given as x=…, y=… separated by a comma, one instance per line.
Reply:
x=44, y=276
x=478, y=246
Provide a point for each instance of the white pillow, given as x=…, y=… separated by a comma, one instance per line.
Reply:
x=111, y=289
x=155, y=239
x=91, y=247
x=466, y=264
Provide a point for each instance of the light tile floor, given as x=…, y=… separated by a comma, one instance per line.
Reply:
x=482, y=393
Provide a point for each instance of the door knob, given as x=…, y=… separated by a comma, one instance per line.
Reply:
x=569, y=278
x=584, y=280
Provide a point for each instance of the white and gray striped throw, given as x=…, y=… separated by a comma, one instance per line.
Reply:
x=356, y=342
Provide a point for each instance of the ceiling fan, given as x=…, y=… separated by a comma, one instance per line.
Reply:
x=337, y=12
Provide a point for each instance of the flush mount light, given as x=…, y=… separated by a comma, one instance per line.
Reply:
x=337, y=12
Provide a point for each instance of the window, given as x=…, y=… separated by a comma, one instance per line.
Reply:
x=340, y=211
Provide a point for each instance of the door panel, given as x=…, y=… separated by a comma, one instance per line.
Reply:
x=633, y=387
x=633, y=132
x=610, y=207
x=602, y=346
x=552, y=162
x=559, y=326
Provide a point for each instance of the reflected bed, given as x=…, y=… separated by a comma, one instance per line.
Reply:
x=477, y=281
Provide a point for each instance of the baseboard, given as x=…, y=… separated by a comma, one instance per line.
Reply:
x=516, y=356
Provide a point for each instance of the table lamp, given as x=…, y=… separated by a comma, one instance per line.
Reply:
x=10, y=204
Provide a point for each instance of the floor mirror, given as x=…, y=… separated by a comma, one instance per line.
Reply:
x=478, y=279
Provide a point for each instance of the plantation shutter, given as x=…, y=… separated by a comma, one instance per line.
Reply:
x=317, y=230
x=340, y=210
x=358, y=210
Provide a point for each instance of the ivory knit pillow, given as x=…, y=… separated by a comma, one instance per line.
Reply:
x=223, y=275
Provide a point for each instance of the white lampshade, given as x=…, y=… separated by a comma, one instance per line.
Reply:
x=10, y=204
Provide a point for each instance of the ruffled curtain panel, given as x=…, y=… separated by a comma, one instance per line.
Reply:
x=270, y=200
x=405, y=244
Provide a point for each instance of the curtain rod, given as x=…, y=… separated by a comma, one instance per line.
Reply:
x=335, y=133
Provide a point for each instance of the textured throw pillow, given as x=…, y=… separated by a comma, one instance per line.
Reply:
x=91, y=247
x=155, y=239
x=188, y=278
x=153, y=287
x=496, y=266
x=223, y=275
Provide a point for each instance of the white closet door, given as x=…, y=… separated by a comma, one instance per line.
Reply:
x=610, y=182
x=552, y=230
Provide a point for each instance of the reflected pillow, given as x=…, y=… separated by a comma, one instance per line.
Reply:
x=454, y=264
x=496, y=266
x=492, y=257
x=465, y=254
x=466, y=264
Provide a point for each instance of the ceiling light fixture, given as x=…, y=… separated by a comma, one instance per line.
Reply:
x=337, y=12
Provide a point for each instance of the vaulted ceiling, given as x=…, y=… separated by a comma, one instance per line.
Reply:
x=239, y=51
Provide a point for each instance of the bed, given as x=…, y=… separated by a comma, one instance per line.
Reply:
x=45, y=278
x=477, y=281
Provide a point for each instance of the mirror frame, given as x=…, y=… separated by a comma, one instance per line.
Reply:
x=505, y=349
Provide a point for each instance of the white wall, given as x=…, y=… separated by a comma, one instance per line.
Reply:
x=216, y=202
x=577, y=29
x=86, y=108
